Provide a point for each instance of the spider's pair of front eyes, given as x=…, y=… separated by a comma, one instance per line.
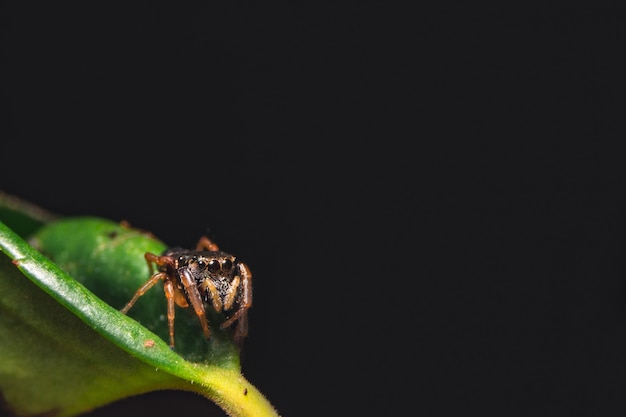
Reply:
x=214, y=265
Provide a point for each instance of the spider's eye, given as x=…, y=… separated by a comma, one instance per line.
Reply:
x=201, y=264
x=214, y=265
x=227, y=265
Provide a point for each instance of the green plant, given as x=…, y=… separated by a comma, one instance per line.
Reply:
x=66, y=349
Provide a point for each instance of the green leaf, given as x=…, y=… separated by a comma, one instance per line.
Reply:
x=66, y=350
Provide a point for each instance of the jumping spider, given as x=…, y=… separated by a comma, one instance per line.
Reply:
x=193, y=277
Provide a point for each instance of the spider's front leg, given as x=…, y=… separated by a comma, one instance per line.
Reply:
x=195, y=299
x=154, y=278
x=143, y=289
x=243, y=288
x=172, y=294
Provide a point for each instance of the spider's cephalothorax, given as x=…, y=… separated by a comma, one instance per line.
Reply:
x=205, y=276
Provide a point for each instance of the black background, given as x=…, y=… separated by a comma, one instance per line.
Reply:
x=431, y=199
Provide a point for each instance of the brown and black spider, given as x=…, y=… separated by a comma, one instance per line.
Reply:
x=195, y=277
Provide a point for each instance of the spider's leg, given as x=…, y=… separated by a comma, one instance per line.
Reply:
x=142, y=290
x=159, y=260
x=241, y=331
x=150, y=259
x=207, y=244
x=245, y=303
x=168, y=287
x=195, y=299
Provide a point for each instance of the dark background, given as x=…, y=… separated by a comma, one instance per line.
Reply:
x=432, y=200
